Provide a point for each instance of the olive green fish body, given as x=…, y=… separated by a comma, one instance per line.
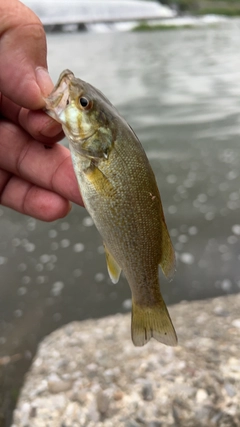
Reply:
x=119, y=191
x=126, y=210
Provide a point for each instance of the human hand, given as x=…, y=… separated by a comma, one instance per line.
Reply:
x=33, y=180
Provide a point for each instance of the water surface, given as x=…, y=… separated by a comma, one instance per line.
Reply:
x=180, y=92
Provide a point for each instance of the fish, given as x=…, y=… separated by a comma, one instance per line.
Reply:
x=119, y=190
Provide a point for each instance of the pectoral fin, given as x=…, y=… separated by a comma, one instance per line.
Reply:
x=167, y=261
x=100, y=182
x=113, y=268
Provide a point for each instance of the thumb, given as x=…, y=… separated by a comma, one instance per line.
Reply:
x=23, y=50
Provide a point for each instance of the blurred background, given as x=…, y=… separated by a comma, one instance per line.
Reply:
x=177, y=82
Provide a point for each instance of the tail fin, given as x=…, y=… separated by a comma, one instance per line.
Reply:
x=148, y=322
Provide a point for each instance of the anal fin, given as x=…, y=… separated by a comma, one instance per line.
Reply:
x=113, y=268
x=167, y=261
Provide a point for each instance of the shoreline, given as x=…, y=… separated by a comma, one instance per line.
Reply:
x=89, y=373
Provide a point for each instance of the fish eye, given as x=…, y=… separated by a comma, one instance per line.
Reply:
x=84, y=102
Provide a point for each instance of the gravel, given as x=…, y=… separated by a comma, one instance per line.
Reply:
x=89, y=374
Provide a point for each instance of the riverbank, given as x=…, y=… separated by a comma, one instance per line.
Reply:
x=89, y=373
x=187, y=21
x=206, y=7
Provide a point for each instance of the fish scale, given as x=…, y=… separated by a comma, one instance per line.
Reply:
x=120, y=192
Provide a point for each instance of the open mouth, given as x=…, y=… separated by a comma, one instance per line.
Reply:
x=58, y=99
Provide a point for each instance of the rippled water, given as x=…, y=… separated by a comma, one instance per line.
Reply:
x=180, y=91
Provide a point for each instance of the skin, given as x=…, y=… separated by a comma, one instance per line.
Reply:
x=33, y=180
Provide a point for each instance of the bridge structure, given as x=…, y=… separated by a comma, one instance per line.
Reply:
x=82, y=12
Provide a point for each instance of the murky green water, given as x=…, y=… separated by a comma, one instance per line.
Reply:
x=180, y=91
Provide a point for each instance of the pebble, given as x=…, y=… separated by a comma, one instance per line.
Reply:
x=26, y=407
x=147, y=391
x=103, y=401
x=57, y=385
x=236, y=323
x=154, y=424
x=220, y=311
x=118, y=395
x=230, y=389
x=79, y=396
x=132, y=423
x=201, y=395
x=72, y=415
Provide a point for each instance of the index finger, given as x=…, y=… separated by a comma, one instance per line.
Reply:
x=23, y=50
x=28, y=159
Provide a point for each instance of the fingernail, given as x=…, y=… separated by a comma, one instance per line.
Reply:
x=44, y=80
x=52, y=129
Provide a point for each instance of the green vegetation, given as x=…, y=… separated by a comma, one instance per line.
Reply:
x=144, y=26
x=202, y=7
x=223, y=12
x=193, y=7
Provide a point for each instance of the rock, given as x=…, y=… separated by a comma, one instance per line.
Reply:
x=92, y=411
x=92, y=369
x=230, y=389
x=26, y=409
x=118, y=395
x=103, y=401
x=154, y=424
x=147, y=391
x=57, y=385
x=132, y=423
x=107, y=382
x=78, y=396
x=73, y=415
x=201, y=395
x=236, y=323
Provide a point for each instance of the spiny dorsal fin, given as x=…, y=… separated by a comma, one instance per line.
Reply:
x=113, y=268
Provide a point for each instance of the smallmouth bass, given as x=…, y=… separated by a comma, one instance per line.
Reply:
x=120, y=192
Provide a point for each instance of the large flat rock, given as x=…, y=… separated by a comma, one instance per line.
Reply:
x=90, y=374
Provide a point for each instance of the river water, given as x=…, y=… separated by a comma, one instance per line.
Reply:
x=180, y=91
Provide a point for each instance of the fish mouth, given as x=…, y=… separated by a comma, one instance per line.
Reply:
x=58, y=102
x=58, y=99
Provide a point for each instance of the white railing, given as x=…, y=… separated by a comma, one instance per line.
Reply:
x=93, y=11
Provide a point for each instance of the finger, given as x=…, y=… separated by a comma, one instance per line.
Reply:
x=42, y=127
x=23, y=66
x=37, y=123
x=26, y=158
x=29, y=199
